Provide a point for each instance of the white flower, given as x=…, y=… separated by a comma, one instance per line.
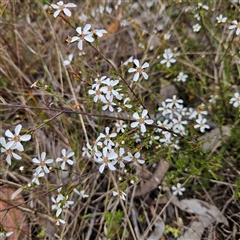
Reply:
x=65, y=159
x=168, y=59
x=139, y=70
x=137, y=138
x=57, y=206
x=235, y=100
x=152, y=138
x=124, y=105
x=108, y=104
x=120, y=126
x=192, y=113
x=164, y=109
x=236, y=25
x=98, y=94
x=60, y=203
x=42, y=163
x=163, y=126
x=134, y=158
x=84, y=34
x=124, y=23
x=21, y=168
x=174, y=102
x=178, y=124
x=197, y=16
x=68, y=61
x=168, y=51
x=167, y=36
x=178, y=190
x=101, y=9
x=99, y=32
x=36, y=176
x=182, y=77
x=98, y=82
x=201, y=124
x=196, y=27
x=8, y=234
x=4, y=235
x=121, y=194
x=141, y=120
x=83, y=17
x=105, y=160
x=107, y=137
x=120, y=157
x=58, y=221
x=109, y=9
x=166, y=139
x=109, y=89
x=60, y=6
x=149, y=4
x=201, y=6
x=7, y=148
x=130, y=59
x=15, y=139
x=81, y=193
x=141, y=45
x=92, y=151
x=85, y=151
x=66, y=203
x=200, y=110
x=213, y=98
x=221, y=19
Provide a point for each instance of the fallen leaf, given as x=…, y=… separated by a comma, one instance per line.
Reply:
x=195, y=230
x=206, y=214
x=213, y=139
x=158, y=230
x=13, y=220
x=154, y=180
x=113, y=26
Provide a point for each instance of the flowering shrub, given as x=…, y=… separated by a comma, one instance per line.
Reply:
x=113, y=99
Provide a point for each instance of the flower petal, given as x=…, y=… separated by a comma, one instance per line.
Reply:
x=59, y=159
x=9, y=134
x=111, y=167
x=101, y=168
x=136, y=62
x=25, y=138
x=143, y=128
x=56, y=13
x=86, y=28
x=89, y=38
x=80, y=44
x=43, y=155
x=134, y=124
x=136, y=76
x=67, y=12
x=136, y=116
x=63, y=152
x=70, y=5
x=18, y=129
x=70, y=154
x=144, y=113
x=145, y=76
x=145, y=65
x=74, y=39
x=132, y=70
x=79, y=30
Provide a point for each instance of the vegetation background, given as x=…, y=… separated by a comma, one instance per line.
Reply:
x=33, y=79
